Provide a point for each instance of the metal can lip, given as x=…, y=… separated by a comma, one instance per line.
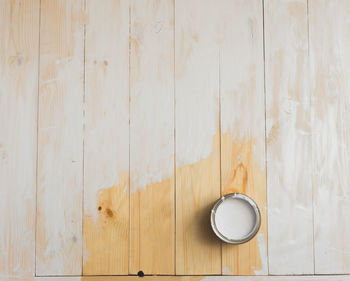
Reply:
x=254, y=230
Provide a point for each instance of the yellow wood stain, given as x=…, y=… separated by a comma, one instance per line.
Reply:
x=152, y=228
x=105, y=236
x=241, y=173
x=198, y=250
x=152, y=231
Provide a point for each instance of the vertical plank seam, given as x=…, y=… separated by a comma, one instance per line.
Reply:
x=129, y=112
x=37, y=144
x=83, y=160
x=174, y=113
x=220, y=156
x=311, y=133
x=266, y=187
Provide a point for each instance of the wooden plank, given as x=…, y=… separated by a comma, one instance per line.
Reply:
x=152, y=212
x=19, y=45
x=243, y=124
x=198, y=251
x=197, y=278
x=106, y=192
x=330, y=70
x=60, y=139
x=288, y=138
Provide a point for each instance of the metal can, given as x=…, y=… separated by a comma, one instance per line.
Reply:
x=255, y=216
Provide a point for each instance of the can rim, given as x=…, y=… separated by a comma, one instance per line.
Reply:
x=254, y=230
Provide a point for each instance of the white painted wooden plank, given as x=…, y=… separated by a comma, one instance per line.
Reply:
x=60, y=139
x=198, y=251
x=152, y=137
x=330, y=70
x=243, y=123
x=288, y=138
x=106, y=193
x=19, y=45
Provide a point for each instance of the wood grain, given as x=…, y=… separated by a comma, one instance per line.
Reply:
x=198, y=251
x=243, y=124
x=152, y=214
x=106, y=192
x=148, y=79
x=19, y=44
x=330, y=72
x=288, y=138
x=60, y=139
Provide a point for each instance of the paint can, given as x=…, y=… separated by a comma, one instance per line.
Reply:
x=235, y=218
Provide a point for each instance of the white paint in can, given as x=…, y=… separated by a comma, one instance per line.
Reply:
x=235, y=218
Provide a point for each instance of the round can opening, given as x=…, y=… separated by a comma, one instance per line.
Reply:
x=235, y=218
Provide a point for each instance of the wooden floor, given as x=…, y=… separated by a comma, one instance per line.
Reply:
x=122, y=121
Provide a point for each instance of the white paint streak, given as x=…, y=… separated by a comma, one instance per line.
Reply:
x=19, y=28
x=263, y=255
x=59, y=216
x=226, y=271
x=106, y=102
x=152, y=100
x=330, y=71
x=242, y=74
x=197, y=87
x=288, y=138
